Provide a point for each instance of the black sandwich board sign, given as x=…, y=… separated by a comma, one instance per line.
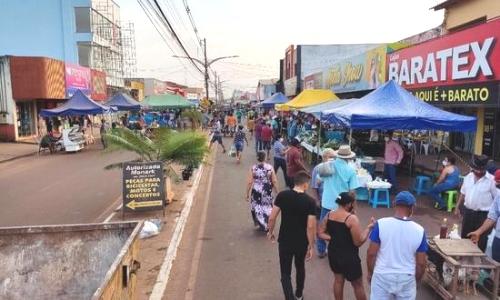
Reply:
x=143, y=186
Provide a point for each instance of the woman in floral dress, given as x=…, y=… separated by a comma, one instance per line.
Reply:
x=260, y=185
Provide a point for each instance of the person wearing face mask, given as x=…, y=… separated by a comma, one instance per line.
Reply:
x=396, y=258
x=477, y=194
x=489, y=223
x=392, y=157
x=343, y=231
x=448, y=180
x=280, y=151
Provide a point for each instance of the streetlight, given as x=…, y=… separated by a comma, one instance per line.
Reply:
x=206, y=63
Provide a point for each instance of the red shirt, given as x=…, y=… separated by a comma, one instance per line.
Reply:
x=293, y=158
x=266, y=134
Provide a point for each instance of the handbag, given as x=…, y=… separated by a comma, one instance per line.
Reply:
x=232, y=151
x=326, y=169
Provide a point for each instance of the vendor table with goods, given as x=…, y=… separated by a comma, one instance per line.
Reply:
x=457, y=269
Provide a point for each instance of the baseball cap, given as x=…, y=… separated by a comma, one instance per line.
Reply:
x=405, y=198
x=497, y=175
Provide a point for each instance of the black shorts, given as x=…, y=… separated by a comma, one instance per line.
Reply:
x=216, y=138
x=350, y=268
x=266, y=145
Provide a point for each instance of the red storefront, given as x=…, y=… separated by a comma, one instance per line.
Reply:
x=98, y=86
x=459, y=72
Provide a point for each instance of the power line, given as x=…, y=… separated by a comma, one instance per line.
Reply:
x=156, y=26
x=172, y=31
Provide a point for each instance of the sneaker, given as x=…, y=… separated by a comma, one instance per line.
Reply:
x=299, y=298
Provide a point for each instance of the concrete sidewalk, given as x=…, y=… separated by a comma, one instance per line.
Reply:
x=11, y=151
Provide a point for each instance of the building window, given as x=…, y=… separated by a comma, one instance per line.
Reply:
x=84, y=54
x=82, y=19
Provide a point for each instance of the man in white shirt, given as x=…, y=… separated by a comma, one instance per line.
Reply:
x=396, y=258
x=477, y=194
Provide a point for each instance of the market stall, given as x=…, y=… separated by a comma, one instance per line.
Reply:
x=123, y=102
x=307, y=98
x=166, y=102
x=277, y=98
x=79, y=104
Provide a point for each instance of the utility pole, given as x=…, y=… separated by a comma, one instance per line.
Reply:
x=216, y=88
x=206, y=65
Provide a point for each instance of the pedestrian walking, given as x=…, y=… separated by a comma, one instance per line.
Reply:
x=477, y=194
x=103, y=130
x=396, y=258
x=239, y=138
x=489, y=223
x=342, y=179
x=250, y=126
x=260, y=185
x=294, y=162
x=342, y=229
x=280, y=152
x=217, y=134
x=327, y=156
x=266, y=136
x=258, y=132
x=296, y=233
x=392, y=158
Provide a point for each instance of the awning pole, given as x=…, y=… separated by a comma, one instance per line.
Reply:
x=350, y=137
x=319, y=142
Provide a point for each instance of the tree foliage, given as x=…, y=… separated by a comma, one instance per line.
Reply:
x=168, y=146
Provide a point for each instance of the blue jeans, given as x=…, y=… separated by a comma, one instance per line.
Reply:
x=390, y=175
x=238, y=146
x=320, y=243
x=258, y=144
x=439, y=188
x=399, y=286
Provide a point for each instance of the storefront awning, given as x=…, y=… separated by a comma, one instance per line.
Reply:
x=308, y=98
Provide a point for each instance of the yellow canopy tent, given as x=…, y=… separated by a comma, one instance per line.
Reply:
x=307, y=98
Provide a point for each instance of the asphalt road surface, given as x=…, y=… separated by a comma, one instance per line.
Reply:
x=63, y=188
x=221, y=256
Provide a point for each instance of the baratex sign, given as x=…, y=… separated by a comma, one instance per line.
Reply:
x=472, y=94
x=143, y=186
x=468, y=56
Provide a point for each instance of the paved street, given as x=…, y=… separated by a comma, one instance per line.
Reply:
x=222, y=257
x=59, y=189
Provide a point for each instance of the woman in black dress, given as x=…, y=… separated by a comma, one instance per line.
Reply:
x=343, y=231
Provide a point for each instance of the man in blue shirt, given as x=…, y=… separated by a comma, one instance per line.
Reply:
x=280, y=151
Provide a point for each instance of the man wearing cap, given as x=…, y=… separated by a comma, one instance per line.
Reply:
x=396, y=258
x=343, y=179
x=493, y=218
x=477, y=194
x=392, y=157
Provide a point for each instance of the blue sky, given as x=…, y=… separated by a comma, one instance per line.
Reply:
x=259, y=31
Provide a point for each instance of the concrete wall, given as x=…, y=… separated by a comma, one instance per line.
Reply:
x=7, y=104
x=41, y=28
x=466, y=11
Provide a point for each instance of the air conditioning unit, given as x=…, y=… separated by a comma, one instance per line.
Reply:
x=3, y=117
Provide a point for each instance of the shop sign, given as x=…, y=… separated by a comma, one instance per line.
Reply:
x=309, y=82
x=99, y=87
x=143, y=186
x=313, y=81
x=77, y=78
x=160, y=87
x=488, y=132
x=472, y=94
x=291, y=86
x=365, y=71
x=471, y=55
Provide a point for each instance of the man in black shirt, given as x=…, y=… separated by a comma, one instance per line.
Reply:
x=297, y=233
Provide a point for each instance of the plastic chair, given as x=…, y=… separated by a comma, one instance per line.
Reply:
x=362, y=194
x=450, y=198
x=425, y=145
x=375, y=200
x=421, y=184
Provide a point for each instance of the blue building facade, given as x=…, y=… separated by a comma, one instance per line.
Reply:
x=51, y=28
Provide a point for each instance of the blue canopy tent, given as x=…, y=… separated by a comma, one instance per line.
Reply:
x=78, y=104
x=124, y=102
x=277, y=98
x=392, y=107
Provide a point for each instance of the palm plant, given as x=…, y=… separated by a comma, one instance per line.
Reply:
x=194, y=116
x=168, y=146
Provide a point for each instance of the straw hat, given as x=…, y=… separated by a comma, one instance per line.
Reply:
x=344, y=152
